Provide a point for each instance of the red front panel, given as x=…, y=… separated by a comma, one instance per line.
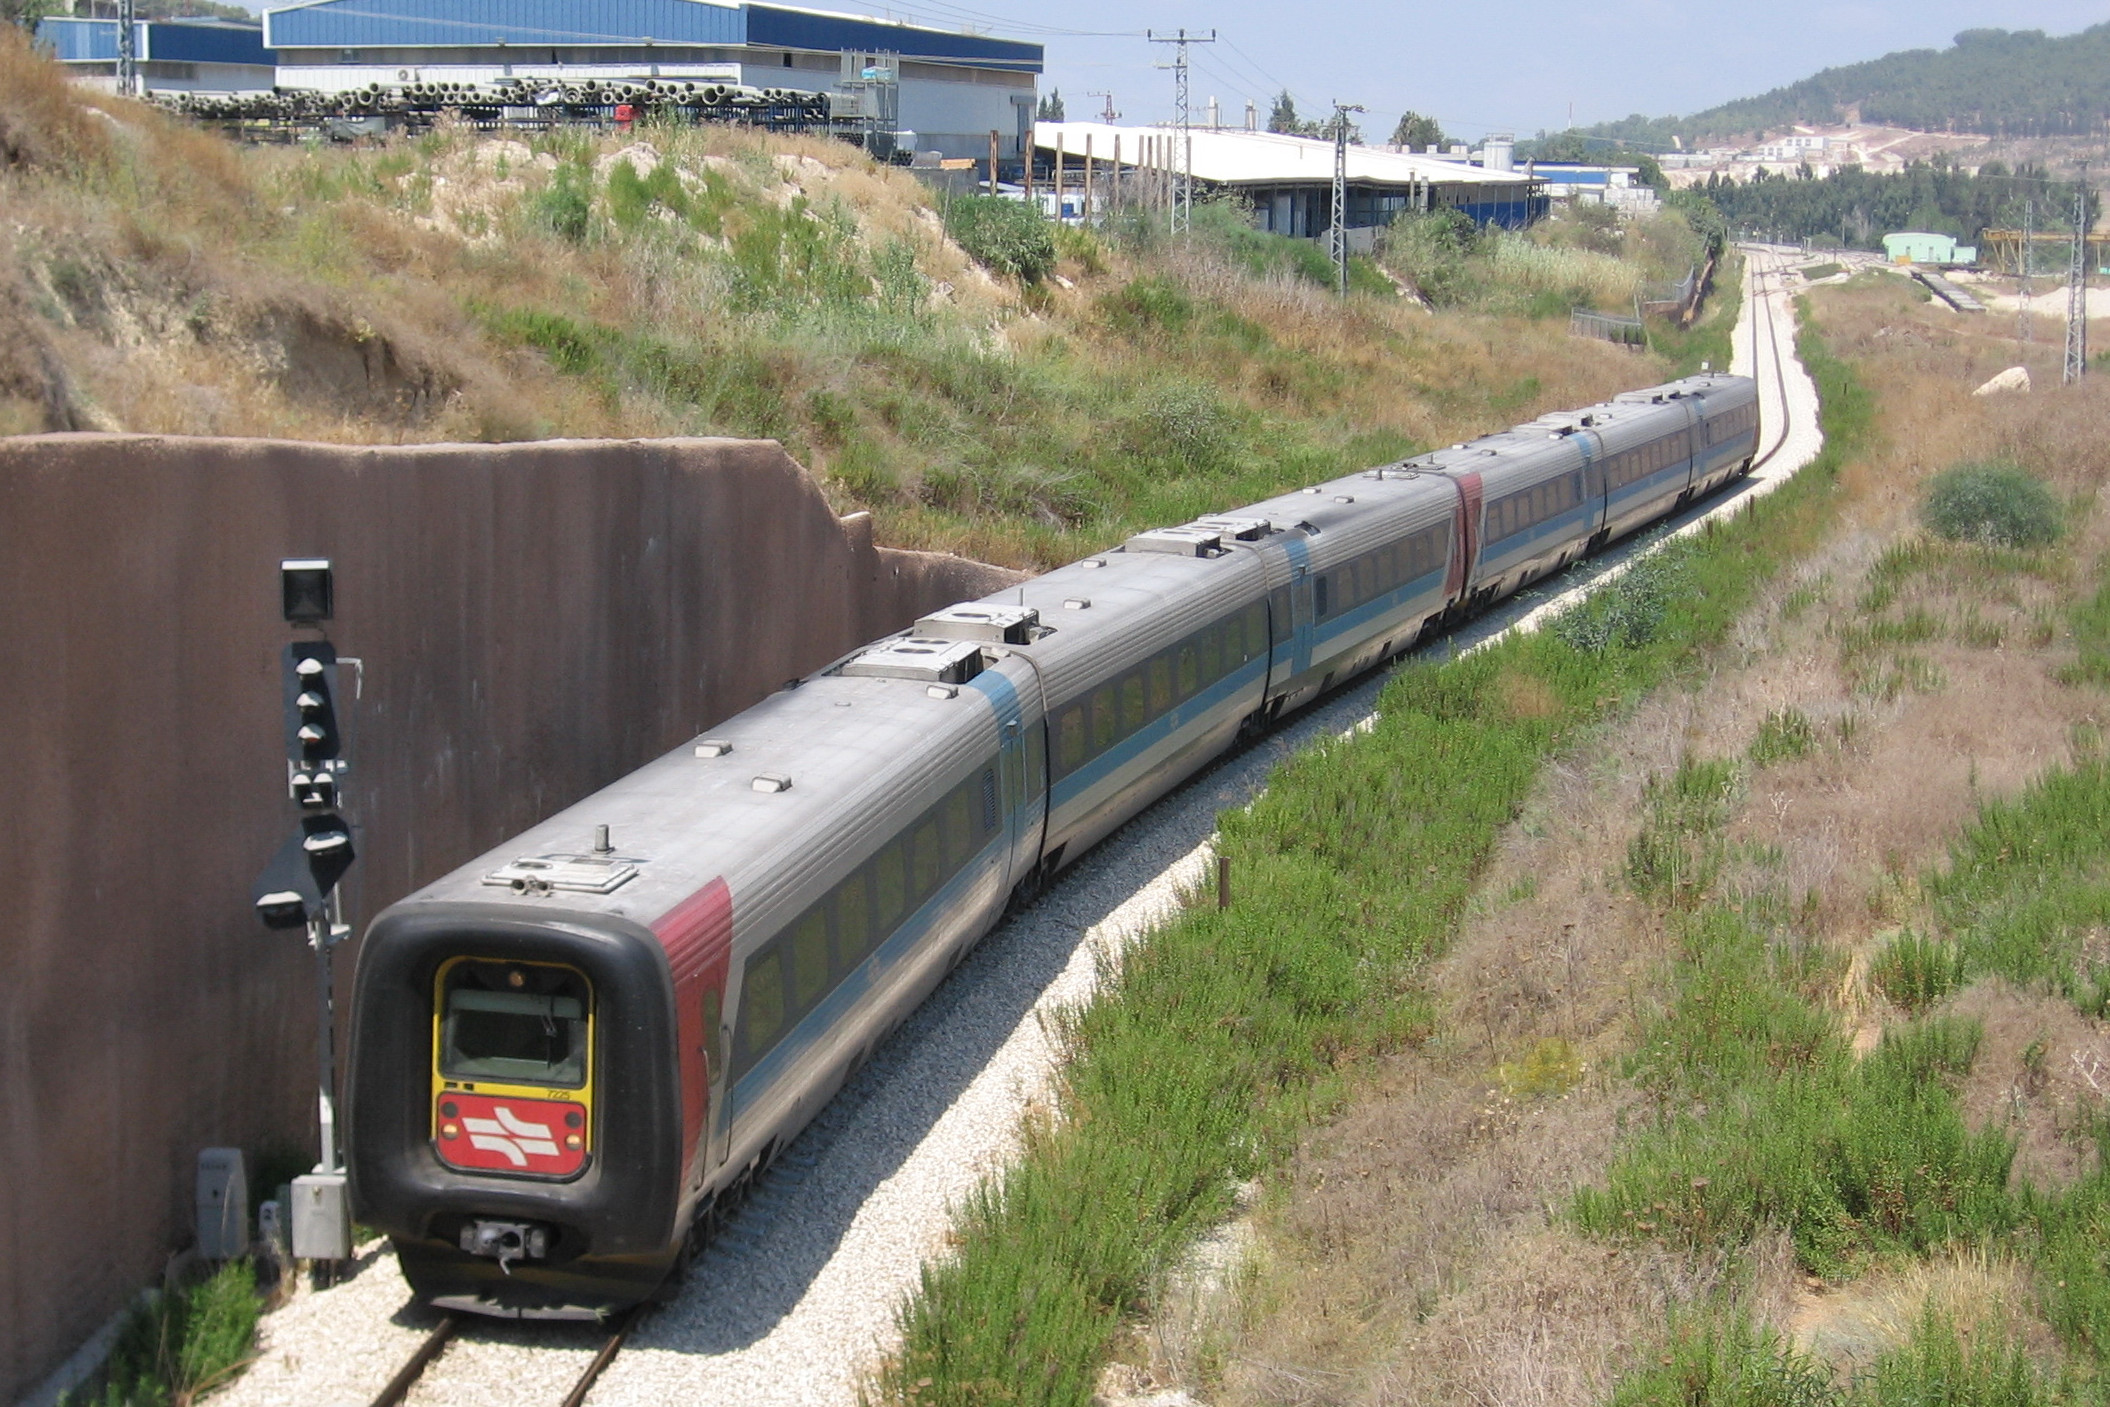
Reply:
x=507, y=1134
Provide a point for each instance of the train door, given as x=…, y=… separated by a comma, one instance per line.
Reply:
x=698, y=937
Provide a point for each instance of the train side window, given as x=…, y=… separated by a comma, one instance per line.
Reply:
x=1132, y=714
x=1211, y=665
x=1322, y=592
x=1185, y=675
x=960, y=835
x=1256, y=629
x=1279, y=613
x=890, y=886
x=1105, y=722
x=809, y=959
x=761, y=1004
x=853, y=920
x=926, y=852
x=1069, y=739
x=1160, y=677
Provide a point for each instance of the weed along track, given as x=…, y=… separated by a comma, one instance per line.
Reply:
x=796, y=1300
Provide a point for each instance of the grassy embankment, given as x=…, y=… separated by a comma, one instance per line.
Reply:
x=707, y=281
x=1224, y=1035
x=1778, y=1015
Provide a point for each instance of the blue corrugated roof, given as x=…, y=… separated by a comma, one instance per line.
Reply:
x=175, y=41
x=404, y=24
x=399, y=24
x=810, y=29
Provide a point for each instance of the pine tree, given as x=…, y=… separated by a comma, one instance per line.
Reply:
x=1051, y=106
x=1416, y=130
x=1283, y=116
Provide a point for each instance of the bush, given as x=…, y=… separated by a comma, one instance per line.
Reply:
x=1003, y=236
x=1995, y=504
x=184, y=1344
x=565, y=205
x=1917, y=972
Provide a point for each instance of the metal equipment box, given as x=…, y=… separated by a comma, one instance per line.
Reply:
x=223, y=1204
x=322, y=1217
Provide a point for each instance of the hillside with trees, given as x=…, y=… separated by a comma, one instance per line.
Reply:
x=2013, y=83
x=1855, y=208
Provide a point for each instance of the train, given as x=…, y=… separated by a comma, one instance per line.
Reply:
x=570, y=1054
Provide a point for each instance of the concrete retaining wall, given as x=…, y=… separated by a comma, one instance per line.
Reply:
x=535, y=620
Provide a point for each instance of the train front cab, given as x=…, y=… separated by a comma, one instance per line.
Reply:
x=515, y=1107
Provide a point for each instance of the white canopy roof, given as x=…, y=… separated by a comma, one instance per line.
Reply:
x=1236, y=157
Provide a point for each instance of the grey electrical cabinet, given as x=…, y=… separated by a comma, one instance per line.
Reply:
x=223, y=1204
x=322, y=1217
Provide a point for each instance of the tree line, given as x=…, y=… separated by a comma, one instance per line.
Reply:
x=1856, y=208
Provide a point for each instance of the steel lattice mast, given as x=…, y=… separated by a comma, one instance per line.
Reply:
x=127, y=56
x=1337, y=236
x=1183, y=189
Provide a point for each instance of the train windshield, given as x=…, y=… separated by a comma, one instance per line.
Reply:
x=514, y=1023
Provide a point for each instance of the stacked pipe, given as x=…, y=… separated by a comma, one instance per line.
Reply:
x=589, y=99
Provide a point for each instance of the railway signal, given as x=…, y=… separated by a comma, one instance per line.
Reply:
x=298, y=889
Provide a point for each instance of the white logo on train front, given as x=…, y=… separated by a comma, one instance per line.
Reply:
x=507, y=1134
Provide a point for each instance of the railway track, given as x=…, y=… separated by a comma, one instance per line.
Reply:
x=783, y=1309
x=435, y=1344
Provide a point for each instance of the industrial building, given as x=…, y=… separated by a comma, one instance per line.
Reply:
x=173, y=55
x=1289, y=180
x=1923, y=247
x=950, y=90
x=1620, y=187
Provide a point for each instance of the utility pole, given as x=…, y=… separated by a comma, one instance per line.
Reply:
x=1106, y=111
x=2077, y=286
x=1183, y=193
x=127, y=57
x=2026, y=333
x=1338, y=235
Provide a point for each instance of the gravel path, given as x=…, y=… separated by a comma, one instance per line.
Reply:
x=796, y=1300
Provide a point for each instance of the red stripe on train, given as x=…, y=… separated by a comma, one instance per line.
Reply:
x=697, y=934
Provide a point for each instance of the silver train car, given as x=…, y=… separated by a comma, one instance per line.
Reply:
x=568, y=1052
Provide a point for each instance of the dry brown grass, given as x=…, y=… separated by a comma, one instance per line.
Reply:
x=1414, y=1251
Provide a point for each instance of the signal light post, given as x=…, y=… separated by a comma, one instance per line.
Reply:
x=298, y=889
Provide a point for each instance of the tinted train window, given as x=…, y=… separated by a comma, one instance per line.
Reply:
x=517, y=1022
x=1132, y=714
x=1255, y=629
x=890, y=886
x=761, y=1005
x=1186, y=666
x=1160, y=686
x=926, y=855
x=1104, y=720
x=853, y=923
x=1069, y=739
x=961, y=837
x=1212, y=666
x=1322, y=594
x=809, y=958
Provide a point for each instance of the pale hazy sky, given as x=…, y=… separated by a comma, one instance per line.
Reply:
x=1496, y=65
x=1509, y=65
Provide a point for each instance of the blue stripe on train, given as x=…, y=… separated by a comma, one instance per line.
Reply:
x=861, y=979
x=1125, y=752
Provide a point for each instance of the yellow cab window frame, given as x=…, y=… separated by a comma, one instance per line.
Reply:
x=582, y=1096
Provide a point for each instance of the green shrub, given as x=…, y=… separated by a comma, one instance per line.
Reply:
x=1678, y=851
x=1785, y=734
x=1003, y=236
x=565, y=205
x=1628, y=611
x=1727, y=1362
x=1917, y=972
x=1995, y=504
x=183, y=1344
